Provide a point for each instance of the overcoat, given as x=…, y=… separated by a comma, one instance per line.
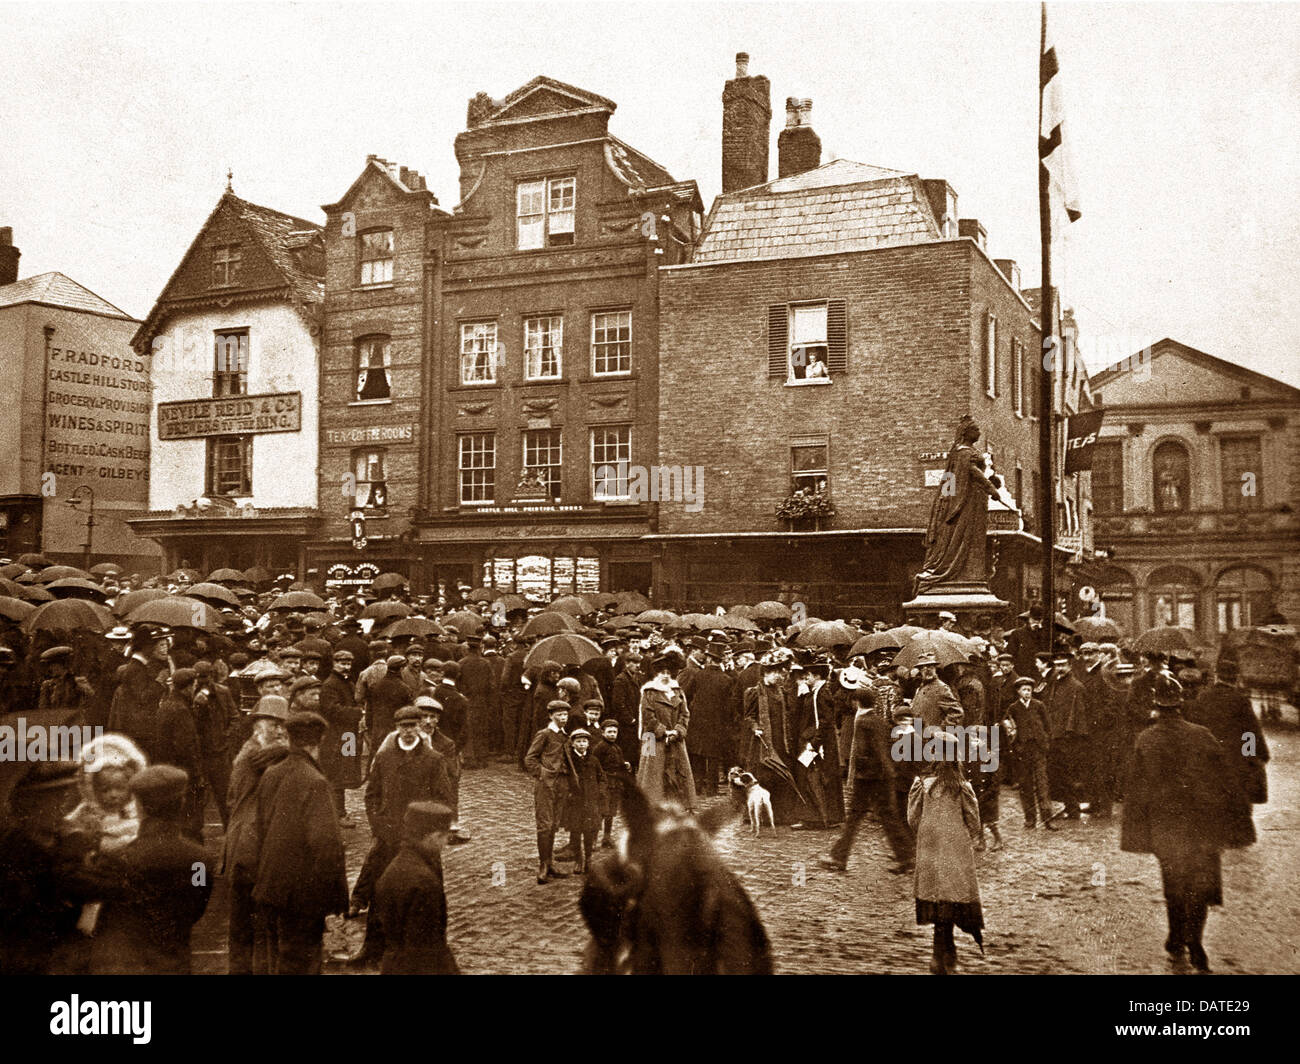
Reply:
x=945, y=824
x=399, y=777
x=338, y=705
x=239, y=852
x=300, y=865
x=1177, y=802
x=936, y=705
x=665, y=768
x=134, y=711
x=146, y=931
x=412, y=908
x=715, y=711
x=1226, y=711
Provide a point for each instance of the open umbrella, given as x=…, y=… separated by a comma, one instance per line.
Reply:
x=12, y=570
x=1166, y=639
x=60, y=572
x=387, y=581
x=572, y=604
x=176, y=611
x=33, y=577
x=185, y=576
x=701, y=621
x=566, y=648
x=466, y=622
x=945, y=651
x=906, y=632
x=616, y=623
x=298, y=600
x=76, y=587
x=482, y=594
x=11, y=587
x=631, y=602
x=68, y=615
x=602, y=600
x=548, y=624
x=36, y=594
x=34, y=561
x=828, y=634
x=15, y=609
x=106, y=569
x=658, y=617
x=227, y=576
x=771, y=611
x=257, y=575
x=415, y=627
x=129, y=600
x=387, y=610
x=741, y=610
x=1097, y=629
x=215, y=593
x=869, y=644
x=733, y=623
x=512, y=602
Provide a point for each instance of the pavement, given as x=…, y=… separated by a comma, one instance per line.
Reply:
x=1054, y=902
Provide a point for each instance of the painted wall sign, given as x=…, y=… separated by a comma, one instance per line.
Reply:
x=231, y=416
x=373, y=434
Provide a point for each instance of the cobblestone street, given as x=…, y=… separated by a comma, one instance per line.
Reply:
x=1063, y=902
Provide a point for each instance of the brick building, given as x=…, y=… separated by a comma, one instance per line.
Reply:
x=830, y=331
x=522, y=351
x=234, y=339
x=381, y=270
x=1196, y=489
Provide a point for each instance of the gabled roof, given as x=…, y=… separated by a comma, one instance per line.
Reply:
x=1211, y=362
x=543, y=96
x=286, y=240
x=839, y=206
x=55, y=289
x=408, y=182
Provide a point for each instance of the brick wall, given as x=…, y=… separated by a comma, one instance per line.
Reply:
x=912, y=373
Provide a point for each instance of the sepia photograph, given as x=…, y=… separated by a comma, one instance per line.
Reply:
x=683, y=489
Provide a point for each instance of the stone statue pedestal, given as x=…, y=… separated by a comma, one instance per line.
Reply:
x=964, y=600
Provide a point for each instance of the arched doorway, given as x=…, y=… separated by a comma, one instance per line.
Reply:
x=1174, y=593
x=1244, y=596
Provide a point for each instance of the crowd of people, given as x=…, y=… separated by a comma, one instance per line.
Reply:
x=269, y=705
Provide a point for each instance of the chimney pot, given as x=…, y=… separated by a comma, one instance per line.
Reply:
x=798, y=147
x=746, y=128
x=9, y=256
x=1010, y=270
x=971, y=227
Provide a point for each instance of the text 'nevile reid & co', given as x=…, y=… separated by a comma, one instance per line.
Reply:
x=77, y=1017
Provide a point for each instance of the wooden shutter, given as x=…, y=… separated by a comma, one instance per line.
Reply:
x=778, y=340
x=837, y=337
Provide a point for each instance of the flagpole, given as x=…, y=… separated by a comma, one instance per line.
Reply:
x=1046, y=501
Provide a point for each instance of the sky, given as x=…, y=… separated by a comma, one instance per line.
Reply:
x=119, y=123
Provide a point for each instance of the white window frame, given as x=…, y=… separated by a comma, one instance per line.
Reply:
x=799, y=478
x=377, y=269
x=478, y=339
x=537, y=331
x=365, y=349
x=487, y=447
x=244, y=444
x=601, y=347
x=223, y=338
x=1018, y=376
x=545, y=209
x=620, y=463
x=556, y=454
x=361, y=470
x=796, y=342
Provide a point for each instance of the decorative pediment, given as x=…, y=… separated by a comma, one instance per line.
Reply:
x=545, y=96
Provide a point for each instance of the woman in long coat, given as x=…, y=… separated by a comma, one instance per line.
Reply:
x=665, y=768
x=943, y=811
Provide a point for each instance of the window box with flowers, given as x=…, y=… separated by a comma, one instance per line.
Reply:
x=804, y=507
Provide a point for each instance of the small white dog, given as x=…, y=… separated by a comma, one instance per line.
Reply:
x=757, y=798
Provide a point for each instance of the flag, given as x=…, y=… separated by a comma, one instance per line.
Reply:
x=1053, y=147
x=1080, y=438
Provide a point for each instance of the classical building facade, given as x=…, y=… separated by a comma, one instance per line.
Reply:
x=234, y=339
x=74, y=422
x=1196, y=490
x=819, y=350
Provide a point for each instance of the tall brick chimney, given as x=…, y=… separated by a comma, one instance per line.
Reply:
x=798, y=148
x=746, y=128
x=9, y=256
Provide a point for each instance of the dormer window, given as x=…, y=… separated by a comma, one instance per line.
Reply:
x=377, y=257
x=544, y=212
x=225, y=265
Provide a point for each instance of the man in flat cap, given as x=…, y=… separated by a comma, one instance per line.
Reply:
x=341, y=747
x=301, y=877
x=163, y=880
x=548, y=762
x=410, y=901
x=406, y=769
x=268, y=745
x=178, y=744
